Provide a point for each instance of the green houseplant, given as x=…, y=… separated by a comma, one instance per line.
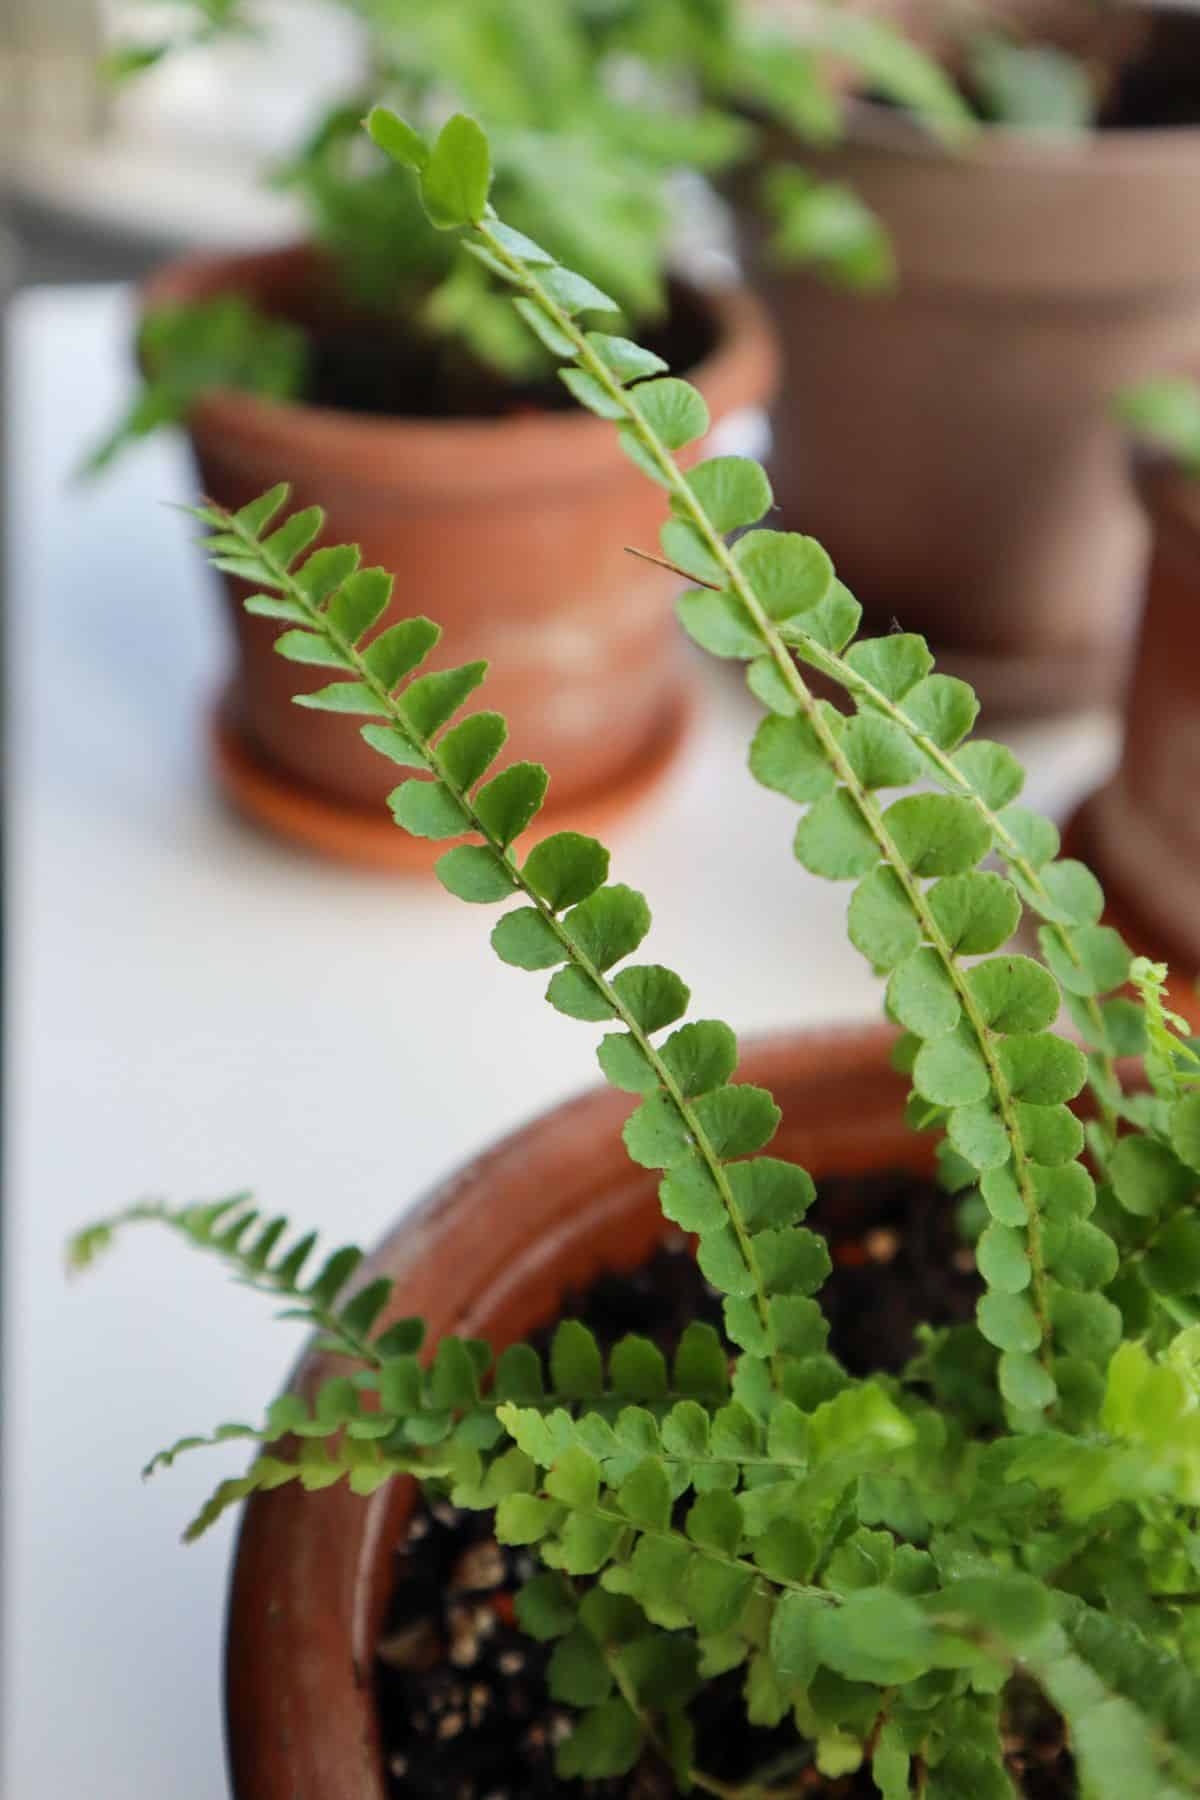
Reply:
x=376, y=365
x=1140, y=828
x=898, y=1564
x=950, y=440
x=379, y=364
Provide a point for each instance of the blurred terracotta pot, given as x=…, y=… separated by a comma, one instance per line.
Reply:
x=510, y=532
x=950, y=442
x=1141, y=832
x=489, y=1254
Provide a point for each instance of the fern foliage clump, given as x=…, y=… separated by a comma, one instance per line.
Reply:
x=889, y=1560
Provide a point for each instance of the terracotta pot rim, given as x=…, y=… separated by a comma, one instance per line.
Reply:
x=455, y=455
x=283, y=1688
x=1020, y=151
x=1167, y=490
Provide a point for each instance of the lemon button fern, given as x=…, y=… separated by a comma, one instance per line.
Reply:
x=882, y=1557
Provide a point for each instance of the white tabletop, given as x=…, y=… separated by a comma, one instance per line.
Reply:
x=159, y=1046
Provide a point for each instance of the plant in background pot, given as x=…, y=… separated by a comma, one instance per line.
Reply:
x=379, y=369
x=426, y=416
x=761, y=1545
x=951, y=440
x=1142, y=828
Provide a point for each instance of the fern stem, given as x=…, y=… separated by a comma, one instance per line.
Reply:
x=674, y=478
x=353, y=659
x=840, y=671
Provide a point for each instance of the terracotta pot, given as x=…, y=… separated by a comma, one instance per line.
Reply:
x=1141, y=832
x=950, y=443
x=490, y=1254
x=510, y=532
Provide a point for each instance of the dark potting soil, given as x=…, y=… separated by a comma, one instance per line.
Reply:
x=375, y=366
x=463, y=1704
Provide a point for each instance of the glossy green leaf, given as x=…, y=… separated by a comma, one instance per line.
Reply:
x=609, y=925
x=1014, y=994
x=922, y=997
x=950, y=1071
x=655, y=996
x=527, y=941
x=625, y=1065
x=786, y=757
x=719, y=623
x=701, y=1056
x=833, y=840
x=576, y=1371
x=789, y=573
x=674, y=410
x=468, y=749
x=881, y=922
x=455, y=180
x=566, y=868
x=733, y=490
x=895, y=665
x=474, y=872
x=1042, y=1068
x=508, y=804
x=397, y=138
x=770, y=1193
x=626, y=360
x=427, y=810
x=976, y=912
x=1008, y=1321
x=879, y=752
x=738, y=1120
x=937, y=834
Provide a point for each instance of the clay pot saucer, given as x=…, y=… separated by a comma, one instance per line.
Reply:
x=367, y=836
x=508, y=528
